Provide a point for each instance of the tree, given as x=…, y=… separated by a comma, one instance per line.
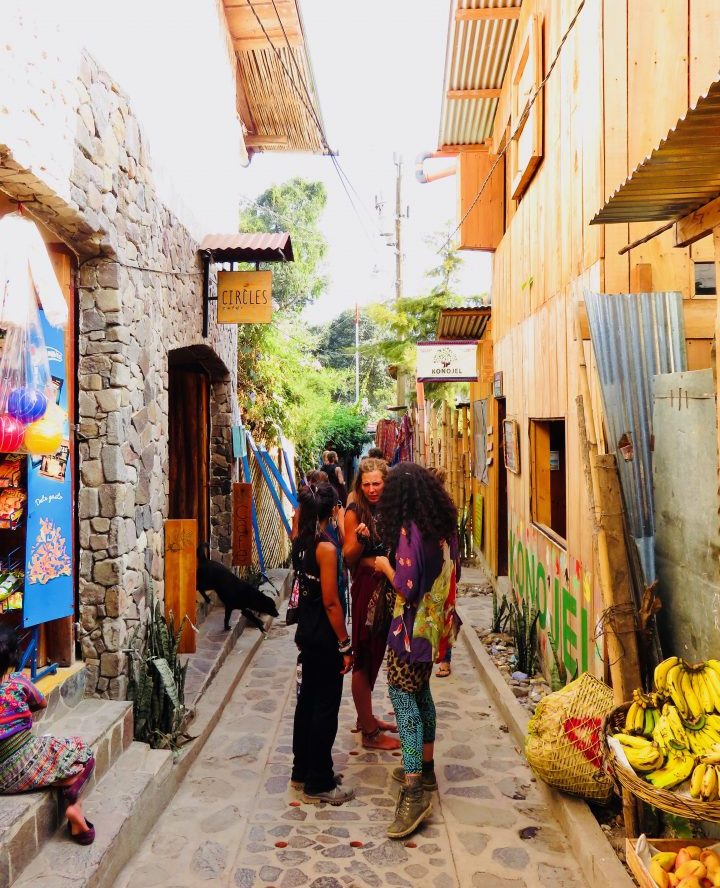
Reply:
x=295, y=206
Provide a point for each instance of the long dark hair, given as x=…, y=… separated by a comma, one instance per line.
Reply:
x=365, y=511
x=316, y=503
x=9, y=650
x=412, y=493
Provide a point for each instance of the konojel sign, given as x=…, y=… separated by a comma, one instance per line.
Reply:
x=447, y=361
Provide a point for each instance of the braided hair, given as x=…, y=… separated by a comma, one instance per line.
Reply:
x=316, y=503
x=412, y=493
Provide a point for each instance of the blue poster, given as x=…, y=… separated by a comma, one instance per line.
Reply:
x=48, y=548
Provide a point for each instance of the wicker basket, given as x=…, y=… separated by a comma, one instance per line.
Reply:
x=665, y=799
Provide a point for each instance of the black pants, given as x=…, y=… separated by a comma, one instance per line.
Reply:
x=316, y=720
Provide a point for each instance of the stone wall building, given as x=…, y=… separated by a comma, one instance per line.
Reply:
x=74, y=151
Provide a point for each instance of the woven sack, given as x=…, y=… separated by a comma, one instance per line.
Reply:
x=563, y=743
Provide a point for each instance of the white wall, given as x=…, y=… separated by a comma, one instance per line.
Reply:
x=172, y=59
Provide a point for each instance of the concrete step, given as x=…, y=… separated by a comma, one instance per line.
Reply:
x=28, y=821
x=123, y=806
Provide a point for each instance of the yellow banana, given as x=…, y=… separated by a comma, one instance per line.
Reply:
x=676, y=769
x=711, y=757
x=649, y=722
x=709, y=785
x=675, y=690
x=661, y=671
x=691, y=698
x=677, y=727
x=697, y=779
x=632, y=741
x=712, y=680
x=630, y=717
x=703, y=691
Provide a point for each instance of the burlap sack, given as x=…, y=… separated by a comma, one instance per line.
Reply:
x=563, y=743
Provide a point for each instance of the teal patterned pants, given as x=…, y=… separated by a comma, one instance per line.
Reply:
x=416, y=721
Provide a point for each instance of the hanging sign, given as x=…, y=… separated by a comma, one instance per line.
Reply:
x=244, y=297
x=242, y=525
x=447, y=361
x=48, y=560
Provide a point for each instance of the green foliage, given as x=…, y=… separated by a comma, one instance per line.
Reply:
x=345, y=430
x=157, y=680
x=294, y=206
x=523, y=628
x=501, y=612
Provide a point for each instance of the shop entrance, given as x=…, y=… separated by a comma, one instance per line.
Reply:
x=189, y=432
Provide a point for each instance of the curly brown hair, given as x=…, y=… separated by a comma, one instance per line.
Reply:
x=364, y=509
x=413, y=494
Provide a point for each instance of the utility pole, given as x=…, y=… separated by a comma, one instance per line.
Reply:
x=357, y=353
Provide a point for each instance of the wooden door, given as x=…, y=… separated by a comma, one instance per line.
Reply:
x=189, y=444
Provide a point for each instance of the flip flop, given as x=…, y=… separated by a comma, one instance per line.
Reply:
x=443, y=670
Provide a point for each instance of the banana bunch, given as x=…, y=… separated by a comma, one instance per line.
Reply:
x=677, y=769
x=640, y=720
x=703, y=739
x=642, y=754
x=705, y=780
x=693, y=688
x=670, y=734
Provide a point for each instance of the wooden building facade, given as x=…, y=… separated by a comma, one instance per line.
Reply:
x=536, y=164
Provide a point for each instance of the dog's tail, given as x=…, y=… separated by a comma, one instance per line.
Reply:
x=203, y=552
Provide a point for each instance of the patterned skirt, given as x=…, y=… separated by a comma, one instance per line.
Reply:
x=408, y=677
x=30, y=762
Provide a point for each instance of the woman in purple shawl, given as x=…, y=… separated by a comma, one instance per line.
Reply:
x=418, y=522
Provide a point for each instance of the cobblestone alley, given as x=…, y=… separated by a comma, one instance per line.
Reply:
x=236, y=822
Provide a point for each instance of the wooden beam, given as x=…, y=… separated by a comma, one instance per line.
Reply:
x=460, y=149
x=256, y=44
x=698, y=224
x=474, y=93
x=698, y=318
x=475, y=15
x=257, y=141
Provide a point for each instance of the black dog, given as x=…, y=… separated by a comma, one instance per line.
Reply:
x=234, y=593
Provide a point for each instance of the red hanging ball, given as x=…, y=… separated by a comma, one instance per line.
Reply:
x=12, y=432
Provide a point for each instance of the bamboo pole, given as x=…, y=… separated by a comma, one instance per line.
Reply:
x=446, y=438
x=421, y=455
x=433, y=437
x=456, y=458
x=607, y=515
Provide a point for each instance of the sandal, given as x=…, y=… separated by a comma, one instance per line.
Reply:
x=377, y=740
x=443, y=670
x=85, y=837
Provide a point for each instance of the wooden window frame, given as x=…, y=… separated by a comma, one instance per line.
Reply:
x=540, y=471
x=524, y=158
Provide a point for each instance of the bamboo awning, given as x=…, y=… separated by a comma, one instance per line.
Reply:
x=480, y=37
x=469, y=322
x=679, y=176
x=276, y=94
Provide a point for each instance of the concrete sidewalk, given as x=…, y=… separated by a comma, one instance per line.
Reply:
x=235, y=821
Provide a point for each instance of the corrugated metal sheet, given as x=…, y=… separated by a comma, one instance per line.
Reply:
x=467, y=322
x=680, y=175
x=635, y=337
x=250, y=247
x=476, y=58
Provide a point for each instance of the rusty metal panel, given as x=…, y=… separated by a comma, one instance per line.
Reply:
x=681, y=175
x=463, y=323
x=635, y=336
x=476, y=58
x=250, y=247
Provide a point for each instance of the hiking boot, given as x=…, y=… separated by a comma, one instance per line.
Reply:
x=336, y=796
x=300, y=784
x=429, y=780
x=412, y=808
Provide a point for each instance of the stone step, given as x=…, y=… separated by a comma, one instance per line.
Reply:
x=123, y=806
x=28, y=820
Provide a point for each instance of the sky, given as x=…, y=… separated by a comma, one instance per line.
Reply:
x=379, y=74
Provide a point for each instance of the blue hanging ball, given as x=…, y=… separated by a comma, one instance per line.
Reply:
x=27, y=404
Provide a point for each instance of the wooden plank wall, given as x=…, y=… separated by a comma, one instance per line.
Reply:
x=626, y=73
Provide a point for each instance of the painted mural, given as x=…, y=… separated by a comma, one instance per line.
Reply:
x=559, y=588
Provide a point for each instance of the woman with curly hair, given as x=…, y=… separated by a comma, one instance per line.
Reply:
x=419, y=525
x=325, y=649
x=362, y=546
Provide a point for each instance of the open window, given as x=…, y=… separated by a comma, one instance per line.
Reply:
x=526, y=148
x=548, y=478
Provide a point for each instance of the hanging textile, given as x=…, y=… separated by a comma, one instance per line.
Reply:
x=404, y=449
x=386, y=435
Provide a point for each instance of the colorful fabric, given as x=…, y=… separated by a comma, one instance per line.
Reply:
x=386, y=437
x=368, y=648
x=424, y=622
x=29, y=762
x=408, y=677
x=18, y=699
x=416, y=721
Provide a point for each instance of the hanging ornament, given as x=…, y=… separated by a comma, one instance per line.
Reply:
x=12, y=432
x=43, y=438
x=26, y=404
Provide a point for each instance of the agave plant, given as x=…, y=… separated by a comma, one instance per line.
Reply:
x=501, y=612
x=523, y=628
x=157, y=679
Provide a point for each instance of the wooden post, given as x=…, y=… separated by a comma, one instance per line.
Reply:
x=421, y=455
x=446, y=438
x=181, y=539
x=454, y=462
x=242, y=531
x=612, y=562
x=433, y=437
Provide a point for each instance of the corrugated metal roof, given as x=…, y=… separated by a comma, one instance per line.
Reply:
x=679, y=176
x=468, y=322
x=249, y=247
x=477, y=56
x=635, y=336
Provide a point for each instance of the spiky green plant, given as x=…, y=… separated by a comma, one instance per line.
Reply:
x=501, y=612
x=157, y=679
x=523, y=628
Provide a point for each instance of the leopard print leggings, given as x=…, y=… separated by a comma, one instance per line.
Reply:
x=416, y=721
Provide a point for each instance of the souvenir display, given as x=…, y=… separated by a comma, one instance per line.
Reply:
x=43, y=438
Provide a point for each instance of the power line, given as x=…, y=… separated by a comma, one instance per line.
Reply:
x=521, y=123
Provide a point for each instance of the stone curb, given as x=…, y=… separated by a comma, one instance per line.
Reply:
x=598, y=862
